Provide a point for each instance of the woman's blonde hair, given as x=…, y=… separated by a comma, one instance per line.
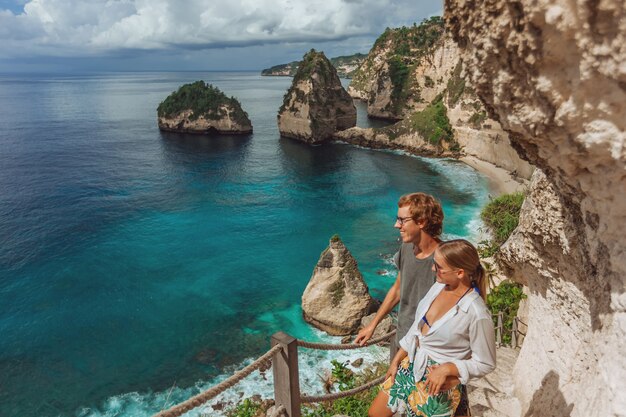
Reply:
x=461, y=254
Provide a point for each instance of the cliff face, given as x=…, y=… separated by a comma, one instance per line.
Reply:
x=435, y=72
x=553, y=74
x=316, y=105
x=203, y=109
x=395, y=78
x=227, y=123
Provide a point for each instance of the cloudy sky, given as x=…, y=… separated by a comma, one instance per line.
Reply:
x=121, y=35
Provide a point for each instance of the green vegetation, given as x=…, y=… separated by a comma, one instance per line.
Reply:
x=314, y=61
x=335, y=238
x=203, y=100
x=428, y=82
x=247, y=408
x=476, y=120
x=399, y=74
x=402, y=48
x=501, y=216
x=343, y=379
x=432, y=123
x=456, y=85
x=353, y=406
x=505, y=297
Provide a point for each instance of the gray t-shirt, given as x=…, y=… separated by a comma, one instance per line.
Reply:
x=416, y=278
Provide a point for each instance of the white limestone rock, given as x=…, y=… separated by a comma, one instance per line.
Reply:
x=552, y=74
x=316, y=105
x=336, y=298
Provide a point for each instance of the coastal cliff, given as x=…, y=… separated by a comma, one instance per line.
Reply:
x=203, y=109
x=438, y=111
x=552, y=74
x=316, y=105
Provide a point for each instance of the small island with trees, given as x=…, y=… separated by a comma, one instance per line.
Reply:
x=201, y=108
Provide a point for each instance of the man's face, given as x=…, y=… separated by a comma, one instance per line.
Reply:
x=409, y=229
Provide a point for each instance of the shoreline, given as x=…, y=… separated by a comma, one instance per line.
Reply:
x=500, y=180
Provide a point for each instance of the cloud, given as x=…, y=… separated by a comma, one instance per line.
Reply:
x=78, y=28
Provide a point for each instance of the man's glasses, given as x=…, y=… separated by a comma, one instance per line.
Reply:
x=403, y=220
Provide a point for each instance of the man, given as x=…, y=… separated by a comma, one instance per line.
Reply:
x=420, y=222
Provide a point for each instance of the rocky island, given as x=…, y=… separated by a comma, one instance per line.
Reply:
x=316, y=105
x=346, y=65
x=203, y=109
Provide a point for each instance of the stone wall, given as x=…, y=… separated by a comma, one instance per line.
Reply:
x=553, y=74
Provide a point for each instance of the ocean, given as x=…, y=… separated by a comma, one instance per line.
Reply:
x=138, y=267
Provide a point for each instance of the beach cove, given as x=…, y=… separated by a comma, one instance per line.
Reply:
x=135, y=261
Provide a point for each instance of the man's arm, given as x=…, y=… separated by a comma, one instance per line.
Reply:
x=391, y=300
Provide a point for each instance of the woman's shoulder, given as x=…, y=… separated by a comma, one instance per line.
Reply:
x=479, y=309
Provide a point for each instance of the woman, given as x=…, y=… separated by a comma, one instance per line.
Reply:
x=451, y=341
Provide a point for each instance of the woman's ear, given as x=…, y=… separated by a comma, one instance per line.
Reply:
x=460, y=273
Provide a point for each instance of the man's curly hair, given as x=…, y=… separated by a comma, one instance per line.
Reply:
x=426, y=208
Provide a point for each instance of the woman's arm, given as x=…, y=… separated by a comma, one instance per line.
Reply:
x=395, y=362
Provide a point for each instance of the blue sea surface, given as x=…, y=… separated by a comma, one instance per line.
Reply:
x=133, y=260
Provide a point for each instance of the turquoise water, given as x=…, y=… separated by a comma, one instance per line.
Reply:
x=132, y=260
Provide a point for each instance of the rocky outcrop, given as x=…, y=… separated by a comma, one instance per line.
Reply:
x=552, y=74
x=404, y=70
x=388, y=138
x=336, y=298
x=384, y=327
x=203, y=109
x=316, y=105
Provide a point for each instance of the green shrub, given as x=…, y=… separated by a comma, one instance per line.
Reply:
x=353, y=406
x=456, y=85
x=487, y=248
x=501, y=215
x=433, y=124
x=505, y=297
x=247, y=408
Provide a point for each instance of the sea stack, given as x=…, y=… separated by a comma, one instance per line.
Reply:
x=316, y=105
x=336, y=298
x=203, y=109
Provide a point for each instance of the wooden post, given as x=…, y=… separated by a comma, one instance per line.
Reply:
x=499, y=329
x=514, y=333
x=286, y=378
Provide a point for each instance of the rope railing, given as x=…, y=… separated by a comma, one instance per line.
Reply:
x=267, y=359
x=344, y=346
x=214, y=391
x=309, y=399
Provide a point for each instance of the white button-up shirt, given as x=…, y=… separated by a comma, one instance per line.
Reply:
x=463, y=336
